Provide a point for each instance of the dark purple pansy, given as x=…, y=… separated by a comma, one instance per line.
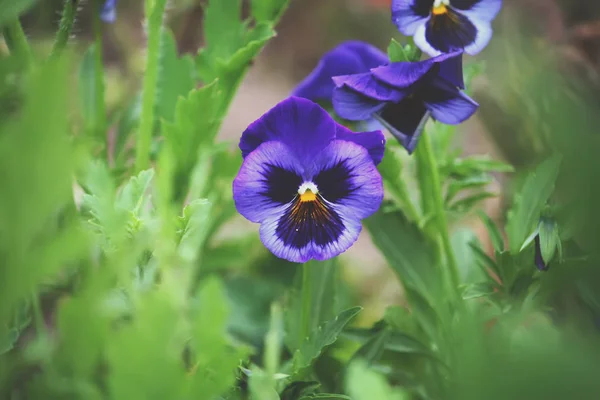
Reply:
x=350, y=57
x=307, y=180
x=108, y=13
x=444, y=26
x=539, y=260
x=402, y=96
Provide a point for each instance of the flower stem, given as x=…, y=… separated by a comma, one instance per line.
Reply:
x=155, y=10
x=66, y=26
x=17, y=42
x=100, y=111
x=306, y=303
x=439, y=213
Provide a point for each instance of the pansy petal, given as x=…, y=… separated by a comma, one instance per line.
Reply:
x=407, y=15
x=354, y=106
x=483, y=10
x=349, y=188
x=351, y=57
x=348, y=179
x=405, y=121
x=368, y=86
x=448, y=104
x=299, y=123
x=484, y=35
x=267, y=181
x=451, y=70
x=108, y=13
x=422, y=43
x=402, y=75
x=539, y=260
x=373, y=141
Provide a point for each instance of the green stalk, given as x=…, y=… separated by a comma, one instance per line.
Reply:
x=66, y=27
x=100, y=112
x=430, y=173
x=17, y=42
x=155, y=10
x=306, y=303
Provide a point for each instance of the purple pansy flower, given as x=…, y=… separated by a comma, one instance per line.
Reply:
x=402, y=96
x=108, y=13
x=307, y=180
x=351, y=57
x=444, y=26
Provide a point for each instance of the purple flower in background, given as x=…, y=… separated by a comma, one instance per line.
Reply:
x=402, y=96
x=307, y=180
x=350, y=57
x=444, y=26
x=108, y=13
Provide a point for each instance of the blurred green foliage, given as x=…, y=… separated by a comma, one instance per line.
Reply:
x=120, y=284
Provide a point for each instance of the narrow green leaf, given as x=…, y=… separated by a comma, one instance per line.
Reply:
x=223, y=28
x=466, y=167
x=325, y=396
x=470, y=182
x=549, y=238
x=476, y=290
x=11, y=9
x=324, y=336
x=193, y=229
x=407, y=251
x=177, y=77
x=298, y=389
x=133, y=195
x=215, y=360
x=528, y=204
x=493, y=231
x=391, y=171
x=373, y=348
x=87, y=89
x=268, y=10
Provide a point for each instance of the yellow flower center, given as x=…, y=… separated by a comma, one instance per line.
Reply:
x=308, y=196
x=440, y=10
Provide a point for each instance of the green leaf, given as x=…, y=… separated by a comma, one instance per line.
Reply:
x=466, y=204
x=12, y=9
x=325, y=396
x=177, y=77
x=87, y=89
x=223, y=28
x=268, y=10
x=475, y=165
x=215, y=360
x=363, y=383
x=193, y=229
x=549, y=238
x=195, y=125
x=298, y=389
x=407, y=251
x=476, y=290
x=133, y=195
x=322, y=337
x=373, y=348
x=398, y=53
x=493, y=231
x=528, y=204
x=261, y=385
x=155, y=325
x=469, y=182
